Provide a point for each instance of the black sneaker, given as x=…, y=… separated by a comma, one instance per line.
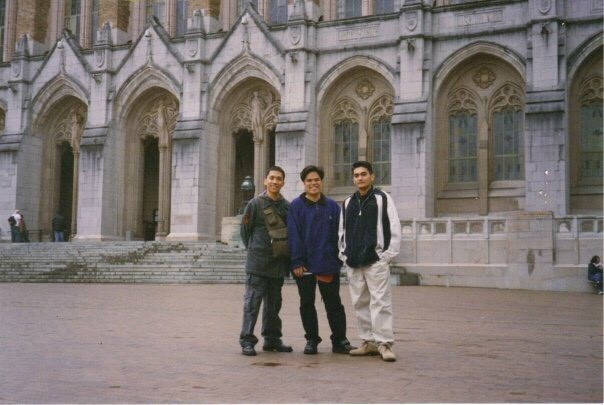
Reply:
x=276, y=346
x=311, y=347
x=248, y=351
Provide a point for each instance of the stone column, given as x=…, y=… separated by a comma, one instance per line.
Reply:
x=165, y=176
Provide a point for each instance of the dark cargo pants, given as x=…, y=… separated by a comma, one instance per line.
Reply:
x=258, y=289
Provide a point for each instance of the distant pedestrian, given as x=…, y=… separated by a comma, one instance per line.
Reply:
x=312, y=233
x=13, y=221
x=58, y=227
x=264, y=235
x=18, y=231
x=370, y=235
x=594, y=273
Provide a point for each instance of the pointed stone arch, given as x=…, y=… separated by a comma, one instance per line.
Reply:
x=444, y=70
x=354, y=111
x=476, y=88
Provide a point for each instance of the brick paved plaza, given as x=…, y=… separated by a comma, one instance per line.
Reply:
x=178, y=343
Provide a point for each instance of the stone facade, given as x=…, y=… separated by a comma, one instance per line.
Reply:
x=481, y=115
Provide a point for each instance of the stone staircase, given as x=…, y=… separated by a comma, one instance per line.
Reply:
x=122, y=262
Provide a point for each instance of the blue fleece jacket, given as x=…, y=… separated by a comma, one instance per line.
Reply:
x=312, y=234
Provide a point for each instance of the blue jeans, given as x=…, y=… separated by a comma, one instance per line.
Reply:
x=59, y=236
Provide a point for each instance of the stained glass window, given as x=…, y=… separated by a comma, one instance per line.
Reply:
x=384, y=6
x=181, y=17
x=72, y=17
x=2, y=14
x=156, y=8
x=381, y=151
x=462, y=147
x=591, y=140
x=346, y=151
x=349, y=8
x=508, y=157
x=278, y=11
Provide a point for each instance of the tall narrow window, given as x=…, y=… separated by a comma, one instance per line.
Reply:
x=384, y=6
x=381, y=151
x=278, y=11
x=508, y=151
x=94, y=20
x=72, y=17
x=181, y=17
x=462, y=147
x=346, y=151
x=156, y=8
x=349, y=8
x=2, y=15
x=591, y=129
x=241, y=5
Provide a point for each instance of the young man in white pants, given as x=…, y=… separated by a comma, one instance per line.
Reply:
x=369, y=238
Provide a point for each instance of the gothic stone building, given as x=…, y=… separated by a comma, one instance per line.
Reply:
x=140, y=119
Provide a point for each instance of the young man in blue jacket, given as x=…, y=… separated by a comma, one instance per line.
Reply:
x=312, y=232
x=370, y=237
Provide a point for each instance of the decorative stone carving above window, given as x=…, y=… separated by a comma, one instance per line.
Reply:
x=591, y=90
x=69, y=127
x=509, y=95
x=148, y=124
x=462, y=100
x=259, y=109
x=484, y=77
x=345, y=111
x=365, y=89
x=382, y=109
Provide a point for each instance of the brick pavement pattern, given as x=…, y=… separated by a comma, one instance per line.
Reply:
x=83, y=343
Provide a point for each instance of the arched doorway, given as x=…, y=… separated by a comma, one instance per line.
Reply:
x=249, y=119
x=61, y=130
x=148, y=133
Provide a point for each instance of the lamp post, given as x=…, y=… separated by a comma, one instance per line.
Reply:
x=247, y=186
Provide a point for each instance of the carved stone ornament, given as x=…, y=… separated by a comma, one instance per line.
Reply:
x=16, y=67
x=344, y=110
x=484, y=77
x=382, y=109
x=508, y=96
x=462, y=100
x=544, y=6
x=295, y=34
x=591, y=90
x=70, y=127
x=411, y=20
x=99, y=57
x=192, y=47
x=365, y=89
x=257, y=112
x=151, y=124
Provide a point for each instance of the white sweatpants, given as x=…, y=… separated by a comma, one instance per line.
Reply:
x=372, y=301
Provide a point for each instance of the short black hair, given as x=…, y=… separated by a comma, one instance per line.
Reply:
x=363, y=163
x=275, y=169
x=309, y=169
x=595, y=259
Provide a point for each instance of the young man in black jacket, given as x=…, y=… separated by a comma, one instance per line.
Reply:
x=370, y=237
x=265, y=272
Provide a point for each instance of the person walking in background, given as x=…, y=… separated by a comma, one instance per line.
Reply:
x=594, y=273
x=58, y=227
x=312, y=230
x=369, y=238
x=264, y=233
x=13, y=221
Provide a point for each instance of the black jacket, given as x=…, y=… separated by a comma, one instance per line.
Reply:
x=260, y=260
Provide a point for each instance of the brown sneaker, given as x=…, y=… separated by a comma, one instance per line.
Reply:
x=366, y=349
x=386, y=352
